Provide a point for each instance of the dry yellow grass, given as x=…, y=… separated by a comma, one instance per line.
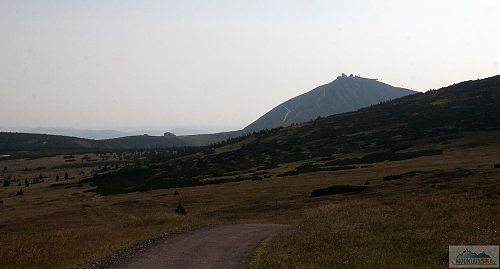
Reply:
x=398, y=227
x=407, y=223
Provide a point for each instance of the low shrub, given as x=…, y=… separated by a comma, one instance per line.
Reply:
x=392, y=177
x=289, y=173
x=337, y=189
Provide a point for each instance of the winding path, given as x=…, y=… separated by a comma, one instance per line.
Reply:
x=223, y=246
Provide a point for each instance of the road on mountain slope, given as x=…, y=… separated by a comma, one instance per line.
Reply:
x=288, y=111
x=223, y=246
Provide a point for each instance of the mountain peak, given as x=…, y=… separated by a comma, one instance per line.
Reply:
x=345, y=94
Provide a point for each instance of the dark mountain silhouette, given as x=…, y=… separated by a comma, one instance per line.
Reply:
x=345, y=94
x=12, y=142
x=467, y=254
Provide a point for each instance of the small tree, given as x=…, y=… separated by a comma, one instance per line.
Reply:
x=5, y=168
x=19, y=192
x=57, y=177
x=26, y=183
x=66, y=176
x=180, y=210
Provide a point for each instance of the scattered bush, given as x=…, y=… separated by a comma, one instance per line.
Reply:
x=385, y=156
x=289, y=173
x=392, y=177
x=337, y=189
x=180, y=210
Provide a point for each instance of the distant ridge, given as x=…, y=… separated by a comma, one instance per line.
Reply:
x=88, y=134
x=344, y=94
x=12, y=142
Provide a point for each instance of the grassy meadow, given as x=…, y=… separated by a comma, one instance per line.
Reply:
x=452, y=198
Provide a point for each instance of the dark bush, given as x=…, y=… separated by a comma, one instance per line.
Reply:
x=19, y=192
x=289, y=173
x=497, y=165
x=392, y=177
x=337, y=168
x=176, y=193
x=180, y=210
x=337, y=189
x=6, y=183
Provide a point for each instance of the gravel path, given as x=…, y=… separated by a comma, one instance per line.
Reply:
x=223, y=246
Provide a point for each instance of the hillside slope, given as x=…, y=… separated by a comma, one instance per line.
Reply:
x=341, y=95
x=410, y=127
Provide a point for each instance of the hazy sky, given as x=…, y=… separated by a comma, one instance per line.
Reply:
x=222, y=64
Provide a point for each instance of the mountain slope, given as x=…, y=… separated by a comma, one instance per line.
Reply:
x=341, y=95
x=413, y=126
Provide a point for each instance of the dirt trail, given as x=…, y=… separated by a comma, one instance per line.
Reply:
x=223, y=246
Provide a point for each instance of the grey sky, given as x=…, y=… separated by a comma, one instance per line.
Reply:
x=222, y=64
